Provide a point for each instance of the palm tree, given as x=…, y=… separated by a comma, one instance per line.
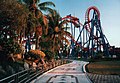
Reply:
x=33, y=4
x=37, y=13
x=56, y=33
x=14, y=18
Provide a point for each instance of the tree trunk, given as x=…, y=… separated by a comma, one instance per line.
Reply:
x=37, y=42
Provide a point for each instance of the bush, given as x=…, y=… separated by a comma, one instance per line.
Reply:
x=49, y=55
x=35, y=54
x=9, y=46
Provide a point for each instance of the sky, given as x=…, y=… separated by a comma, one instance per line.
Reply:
x=109, y=15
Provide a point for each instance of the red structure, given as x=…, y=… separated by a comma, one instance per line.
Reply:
x=92, y=38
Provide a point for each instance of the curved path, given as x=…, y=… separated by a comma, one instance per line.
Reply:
x=68, y=73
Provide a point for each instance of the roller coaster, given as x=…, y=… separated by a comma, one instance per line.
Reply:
x=91, y=39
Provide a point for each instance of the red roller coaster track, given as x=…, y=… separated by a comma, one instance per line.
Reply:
x=87, y=15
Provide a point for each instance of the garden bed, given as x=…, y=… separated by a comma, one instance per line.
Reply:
x=110, y=67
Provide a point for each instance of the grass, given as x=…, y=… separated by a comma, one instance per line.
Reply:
x=111, y=67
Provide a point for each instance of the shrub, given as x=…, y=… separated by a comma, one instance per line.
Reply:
x=35, y=54
x=49, y=55
x=9, y=46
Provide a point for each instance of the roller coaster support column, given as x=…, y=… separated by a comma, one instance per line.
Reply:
x=71, y=32
x=72, y=43
x=95, y=45
x=92, y=26
x=105, y=44
x=91, y=51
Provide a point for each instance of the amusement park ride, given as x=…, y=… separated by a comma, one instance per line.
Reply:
x=92, y=40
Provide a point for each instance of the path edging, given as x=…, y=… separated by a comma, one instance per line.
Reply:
x=84, y=70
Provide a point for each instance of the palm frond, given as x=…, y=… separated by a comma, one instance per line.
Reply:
x=45, y=9
x=68, y=34
x=54, y=17
x=37, y=1
x=62, y=23
x=48, y=3
x=28, y=2
x=66, y=40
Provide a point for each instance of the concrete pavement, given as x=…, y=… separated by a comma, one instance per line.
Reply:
x=68, y=73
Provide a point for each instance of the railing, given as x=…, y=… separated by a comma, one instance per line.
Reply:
x=28, y=75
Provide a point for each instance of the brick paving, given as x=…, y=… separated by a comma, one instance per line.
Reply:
x=95, y=78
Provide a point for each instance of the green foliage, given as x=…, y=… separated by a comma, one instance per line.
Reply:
x=13, y=17
x=98, y=55
x=35, y=54
x=31, y=24
x=49, y=55
x=45, y=6
x=45, y=44
x=9, y=46
x=32, y=55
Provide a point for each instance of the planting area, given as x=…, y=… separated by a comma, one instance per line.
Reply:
x=111, y=67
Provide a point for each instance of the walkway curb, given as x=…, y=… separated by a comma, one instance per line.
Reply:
x=84, y=70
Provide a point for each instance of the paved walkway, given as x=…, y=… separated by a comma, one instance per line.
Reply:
x=95, y=78
x=68, y=73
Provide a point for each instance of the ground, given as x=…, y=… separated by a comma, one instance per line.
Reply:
x=110, y=67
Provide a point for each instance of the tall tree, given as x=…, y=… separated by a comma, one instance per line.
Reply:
x=11, y=13
x=11, y=25
x=56, y=34
x=37, y=12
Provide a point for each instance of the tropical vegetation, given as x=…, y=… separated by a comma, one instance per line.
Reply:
x=27, y=34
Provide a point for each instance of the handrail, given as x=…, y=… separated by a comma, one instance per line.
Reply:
x=28, y=75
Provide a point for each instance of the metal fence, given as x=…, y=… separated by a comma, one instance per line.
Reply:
x=28, y=75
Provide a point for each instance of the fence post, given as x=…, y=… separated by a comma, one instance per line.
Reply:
x=28, y=73
x=16, y=78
